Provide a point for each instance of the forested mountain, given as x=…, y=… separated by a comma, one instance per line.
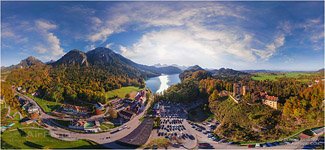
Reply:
x=190, y=70
x=107, y=59
x=221, y=73
x=84, y=76
x=226, y=72
x=29, y=61
x=74, y=58
x=300, y=104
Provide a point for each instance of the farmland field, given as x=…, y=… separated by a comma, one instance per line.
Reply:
x=302, y=76
x=47, y=106
x=121, y=92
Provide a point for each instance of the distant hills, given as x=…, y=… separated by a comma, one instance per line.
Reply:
x=222, y=72
x=101, y=58
x=29, y=61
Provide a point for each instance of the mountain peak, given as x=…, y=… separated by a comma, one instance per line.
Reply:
x=29, y=61
x=102, y=49
x=194, y=68
x=73, y=57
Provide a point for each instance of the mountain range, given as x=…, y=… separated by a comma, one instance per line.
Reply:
x=101, y=58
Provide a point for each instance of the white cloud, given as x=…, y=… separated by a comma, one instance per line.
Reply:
x=96, y=21
x=159, y=15
x=90, y=47
x=271, y=48
x=111, y=26
x=109, y=45
x=44, y=25
x=51, y=45
x=40, y=49
x=189, y=47
x=7, y=34
x=185, y=29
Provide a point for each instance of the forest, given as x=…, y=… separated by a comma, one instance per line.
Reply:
x=70, y=83
x=300, y=105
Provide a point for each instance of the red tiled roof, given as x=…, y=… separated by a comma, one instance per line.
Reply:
x=272, y=98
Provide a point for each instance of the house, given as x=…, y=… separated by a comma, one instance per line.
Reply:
x=88, y=126
x=75, y=110
x=99, y=106
x=97, y=123
x=19, y=88
x=32, y=109
x=126, y=114
x=34, y=115
x=236, y=89
x=304, y=136
x=271, y=101
x=244, y=90
x=139, y=95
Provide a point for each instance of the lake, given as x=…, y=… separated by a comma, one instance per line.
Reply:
x=161, y=83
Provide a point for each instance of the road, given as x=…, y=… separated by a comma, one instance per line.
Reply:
x=107, y=138
x=101, y=138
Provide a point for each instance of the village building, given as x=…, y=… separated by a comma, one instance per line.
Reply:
x=236, y=89
x=244, y=90
x=126, y=114
x=156, y=109
x=99, y=108
x=34, y=116
x=75, y=110
x=271, y=101
x=32, y=109
x=88, y=126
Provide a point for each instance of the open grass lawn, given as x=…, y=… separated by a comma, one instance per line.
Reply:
x=28, y=138
x=47, y=106
x=106, y=126
x=303, y=76
x=121, y=92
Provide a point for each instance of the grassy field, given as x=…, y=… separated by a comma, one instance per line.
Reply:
x=106, y=126
x=274, y=76
x=47, y=106
x=28, y=138
x=121, y=92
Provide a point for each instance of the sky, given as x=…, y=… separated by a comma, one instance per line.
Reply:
x=238, y=35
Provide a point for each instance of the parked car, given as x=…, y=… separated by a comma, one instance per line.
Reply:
x=222, y=141
x=191, y=137
x=309, y=147
x=251, y=146
x=205, y=146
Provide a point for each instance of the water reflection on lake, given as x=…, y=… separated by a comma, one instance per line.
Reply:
x=161, y=83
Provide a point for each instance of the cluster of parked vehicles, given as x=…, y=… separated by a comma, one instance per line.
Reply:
x=208, y=131
x=171, y=121
x=170, y=135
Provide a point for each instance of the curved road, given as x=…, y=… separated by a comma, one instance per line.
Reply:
x=100, y=138
x=107, y=138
